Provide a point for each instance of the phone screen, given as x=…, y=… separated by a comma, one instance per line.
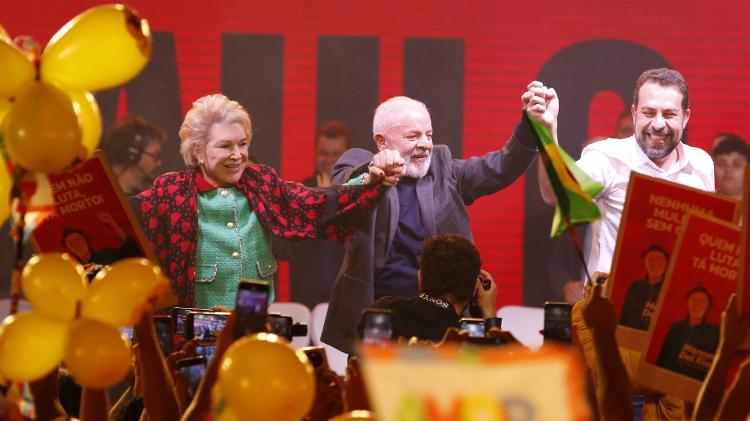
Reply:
x=163, y=325
x=193, y=370
x=206, y=326
x=377, y=327
x=316, y=355
x=251, y=307
x=128, y=332
x=205, y=350
x=474, y=327
x=279, y=325
x=179, y=315
x=557, y=321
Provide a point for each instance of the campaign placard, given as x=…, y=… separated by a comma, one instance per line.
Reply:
x=91, y=220
x=491, y=383
x=684, y=334
x=651, y=221
x=742, y=295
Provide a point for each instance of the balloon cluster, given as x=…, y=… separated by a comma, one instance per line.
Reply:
x=262, y=377
x=75, y=322
x=48, y=116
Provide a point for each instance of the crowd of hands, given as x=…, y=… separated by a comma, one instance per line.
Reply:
x=612, y=397
x=164, y=388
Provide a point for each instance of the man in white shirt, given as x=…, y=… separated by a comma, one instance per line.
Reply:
x=660, y=114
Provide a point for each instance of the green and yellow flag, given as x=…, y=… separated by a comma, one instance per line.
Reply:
x=573, y=188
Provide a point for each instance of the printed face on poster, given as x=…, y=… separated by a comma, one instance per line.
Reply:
x=685, y=332
x=651, y=221
x=742, y=294
x=91, y=221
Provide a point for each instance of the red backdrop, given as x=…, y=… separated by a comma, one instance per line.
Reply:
x=506, y=44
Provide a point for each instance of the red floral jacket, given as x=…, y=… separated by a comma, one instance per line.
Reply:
x=289, y=210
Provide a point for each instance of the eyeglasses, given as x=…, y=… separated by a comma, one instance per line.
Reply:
x=156, y=156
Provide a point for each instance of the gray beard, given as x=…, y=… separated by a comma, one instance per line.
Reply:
x=416, y=171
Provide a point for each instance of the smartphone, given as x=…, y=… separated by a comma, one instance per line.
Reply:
x=179, y=314
x=377, y=326
x=251, y=307
x=557, y=321
x=204, y=326
x=317, y=356
x=474, y=327
x=205, y=350
x=490, y=322
x=128, y=332
x=193, y=370
x=163, y=327
x=279, y=325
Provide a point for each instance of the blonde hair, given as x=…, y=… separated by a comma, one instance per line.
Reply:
x=207, y=111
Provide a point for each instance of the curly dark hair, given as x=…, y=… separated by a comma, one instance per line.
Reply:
x=450, y=265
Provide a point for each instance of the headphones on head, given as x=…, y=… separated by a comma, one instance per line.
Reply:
x=135, y=149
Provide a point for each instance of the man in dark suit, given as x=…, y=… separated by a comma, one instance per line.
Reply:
x=430, y=198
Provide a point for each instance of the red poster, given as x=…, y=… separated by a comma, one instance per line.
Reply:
x=651, y=223
x=685, y=332
x=92, y=221
x=744, y=296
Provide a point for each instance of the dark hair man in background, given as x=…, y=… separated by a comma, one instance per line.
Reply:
x=448, y=278
x=313, y=264
x=133, y=148
x=731, y=155
x=332, y=140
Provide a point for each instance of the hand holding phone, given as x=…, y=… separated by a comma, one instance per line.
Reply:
x=193, y=369
x=279, y=325
x=377, y=326
x=251, y=307
x=485, y=294
x=473, y=327
x=204, y=326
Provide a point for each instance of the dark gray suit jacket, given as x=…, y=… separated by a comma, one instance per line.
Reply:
x=443, y=194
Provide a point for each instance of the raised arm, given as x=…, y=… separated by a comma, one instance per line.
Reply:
x=542, y=104
x=495, y=170
x=734, y=330
x=615, y=394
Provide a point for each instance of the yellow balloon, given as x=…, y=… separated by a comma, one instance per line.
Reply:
x=118, y=293
x=4, y=108
x=89, y=119
x=96, y=354
x=6, y=184
x=41, y=130
x=102, y=47
x=4, y=34
x=54, y=283
x=17, y=69
x=31, y=345
x=262, y=377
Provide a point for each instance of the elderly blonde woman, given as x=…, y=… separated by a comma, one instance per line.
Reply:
x=211, y=225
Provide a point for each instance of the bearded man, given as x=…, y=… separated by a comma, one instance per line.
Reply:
x=430, y=198
x=660, y=115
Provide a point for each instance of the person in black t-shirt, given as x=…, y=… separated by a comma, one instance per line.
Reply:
x=449, y=277
x=643, y=294
x=690, y=344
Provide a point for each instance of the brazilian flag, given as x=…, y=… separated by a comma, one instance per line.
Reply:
x=573, y=188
